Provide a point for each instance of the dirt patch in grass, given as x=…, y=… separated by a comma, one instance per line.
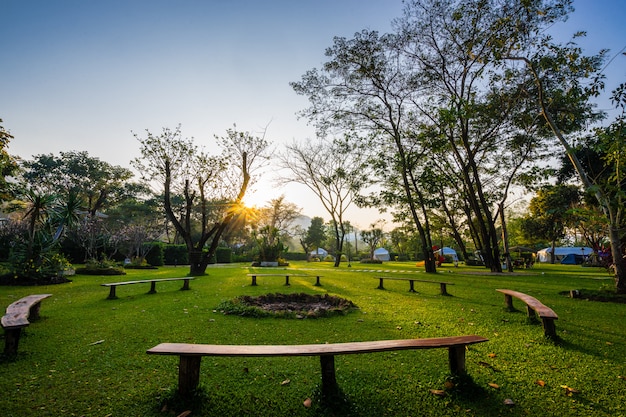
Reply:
x=288, y=305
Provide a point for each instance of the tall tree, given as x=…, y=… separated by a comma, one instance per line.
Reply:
x=8, y=164
x=212, y=186
x=332, y=172
x=550, y=213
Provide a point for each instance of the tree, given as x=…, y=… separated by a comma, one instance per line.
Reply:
x=365, y=90
x=372, y=238
x=550, y=212
x=279, y=214
x=212, y=187
x=579, y=79
x=332, y=172
x=96, y=183
x=314, y=236
x=8, y=164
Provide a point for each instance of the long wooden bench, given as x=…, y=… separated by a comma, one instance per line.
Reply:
x=534, y=307
x=19, y=315
x=287, y=275
x=191, y=355
x=442, y=285
x=114, y=285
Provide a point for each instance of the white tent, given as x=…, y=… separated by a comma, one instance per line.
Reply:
x=381, y=254
x=320, y=252
x=561, y=252
x=448, y=251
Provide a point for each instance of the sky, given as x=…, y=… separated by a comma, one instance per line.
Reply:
x=80, y=75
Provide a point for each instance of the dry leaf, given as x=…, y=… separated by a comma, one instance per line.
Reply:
x=184, y=413
x=449, y=385
x=622, y=377
x=285, y=382
x=494, y=386
x=492, y=355
x=307, y=403
x=509, y=402
x=540, y=383
x=438, y=392
x=569, y=390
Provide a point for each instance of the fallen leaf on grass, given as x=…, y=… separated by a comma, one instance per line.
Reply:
x=540, y=383
x=96, y=343
x=285, y=382
x=492, y=355
x=622, y=377
x=438, y=392
x=184, y=413
x=509, y=402
x=449, y=385
x=307, y=403
x=569, y=390
x=494, y=386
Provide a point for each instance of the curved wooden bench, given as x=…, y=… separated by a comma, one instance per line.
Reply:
x=18, y=315
x=442, y=285
x=191, y=354
x=534, y=307
x=113, y=285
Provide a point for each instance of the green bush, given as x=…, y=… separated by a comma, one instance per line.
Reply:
x=156, y=254
x=223, y=255
x=175, y=255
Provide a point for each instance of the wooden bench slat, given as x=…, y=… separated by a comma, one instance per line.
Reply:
x=113, y=285
x=442, y=284
x=190, y=355
x=287, y=275
x=17, y=317
x=542, y=310
x=18, y=313
x=533, y=306
x=312, y=350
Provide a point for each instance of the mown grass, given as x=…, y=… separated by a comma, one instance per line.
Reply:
x=86, y=356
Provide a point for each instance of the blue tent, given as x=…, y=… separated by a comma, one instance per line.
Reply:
x=572, y=259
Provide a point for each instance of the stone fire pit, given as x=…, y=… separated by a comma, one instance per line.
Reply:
x=287, y=305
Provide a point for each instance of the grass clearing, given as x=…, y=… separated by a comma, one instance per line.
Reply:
x=86, y=356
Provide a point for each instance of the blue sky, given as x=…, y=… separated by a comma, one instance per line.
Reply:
x=81, y=75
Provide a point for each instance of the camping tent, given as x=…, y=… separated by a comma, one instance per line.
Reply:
x=449, y=252
x=319, y=252
x=381, y=254
x=561, y=252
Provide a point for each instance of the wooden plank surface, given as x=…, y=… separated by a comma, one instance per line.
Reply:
x=542, y=310
x=145, y=281
x=416, y=280
x=18, y=312
x=189, y=349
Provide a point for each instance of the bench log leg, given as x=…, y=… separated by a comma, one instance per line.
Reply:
x=286, y=280
x=380, y=285
x=531, y=312
x=411, y=286
x=11, y=341
x=112, y=295
x=317, y=282
x=253, y=281
x=188, y=375
x=152, y=287
x=549, y=328
x=508, y=300
x=442, y=287
x=329, y=381
x=34, y=312
x=456, y=357
x=185, y=285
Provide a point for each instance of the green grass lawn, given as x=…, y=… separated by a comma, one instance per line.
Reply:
x=86, y=355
